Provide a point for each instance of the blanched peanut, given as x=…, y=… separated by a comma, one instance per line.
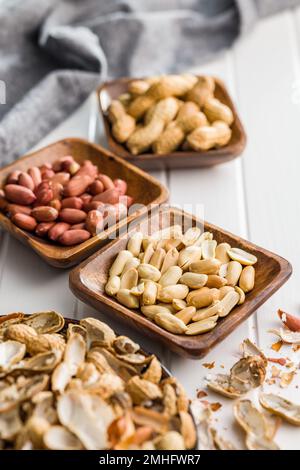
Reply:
x=147, y=255
x=206, y=266
x=178, y=304
x=213, y=280
x=131, y=263
x=228, y=302
x=247, y=279
x=224, y=290
x=241, y=294
x=119, y=263
x=221, y=252
x=171, y=259
x=151, y=310
x=186, y=314
x=147, y=271
x=168, y=293
x=134, y=243
x=171, y=276
x=129, y=279
x=182, y=302
x=233, y=273
x=203, y=313
x=150, y=293
x=113, y=285
x=201, y=298
x=194, y=280
x=126, y=298
x=189, y=255
x=170, y=323
x=158, y=257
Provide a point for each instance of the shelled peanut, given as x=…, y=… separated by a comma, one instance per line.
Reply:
x=64, y=201
x=171, y=112
x=184, y=282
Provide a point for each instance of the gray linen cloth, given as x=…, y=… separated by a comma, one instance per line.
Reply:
x=55, y=52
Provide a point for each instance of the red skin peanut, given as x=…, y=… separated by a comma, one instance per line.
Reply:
x=25, y=222
x=26, y=181
x=47, y=174
x=121, y=186
x=106, y=181
x=44, y=193
x=85, y=197
x=13, y=177
x=19, y=194
x=57, y=230
x=94, y=222
x=72, y=202
x=96, y=187
x=36, y=176
x=13, y=209
x=62, y=178
x=43, y=228
x=77, y=185
x=93, y=205
x=56, y=204
x=63, y=163
x=44, y=214
x=72, y=216
x=87, y=168
x=73, y=237
x=110, y=196
x=78, y=226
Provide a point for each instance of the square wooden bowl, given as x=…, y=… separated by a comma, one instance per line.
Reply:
x=87, y=281
x=179, y=159
x=145, y=190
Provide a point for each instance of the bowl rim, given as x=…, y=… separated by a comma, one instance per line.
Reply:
x=193, y=346
x=228, y=152
x=60, y=254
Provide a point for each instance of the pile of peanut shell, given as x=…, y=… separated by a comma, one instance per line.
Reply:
x=259, y=423
x=80, y=386
x=184, y=282
x=64, y=201
x=166, y=113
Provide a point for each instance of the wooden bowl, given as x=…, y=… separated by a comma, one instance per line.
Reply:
x=145, y=190
x=179, y=159
x=87, y=281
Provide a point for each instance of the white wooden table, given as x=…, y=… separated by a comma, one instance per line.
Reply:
x=256, y=197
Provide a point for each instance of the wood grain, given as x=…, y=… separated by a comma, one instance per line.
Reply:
x=88, y=280
x=179, y=159
x=145, y=190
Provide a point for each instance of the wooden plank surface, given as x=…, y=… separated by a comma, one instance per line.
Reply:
x=256, y=197
x=271, y=166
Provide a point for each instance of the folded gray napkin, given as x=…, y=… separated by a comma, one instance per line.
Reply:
x=55, y=52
